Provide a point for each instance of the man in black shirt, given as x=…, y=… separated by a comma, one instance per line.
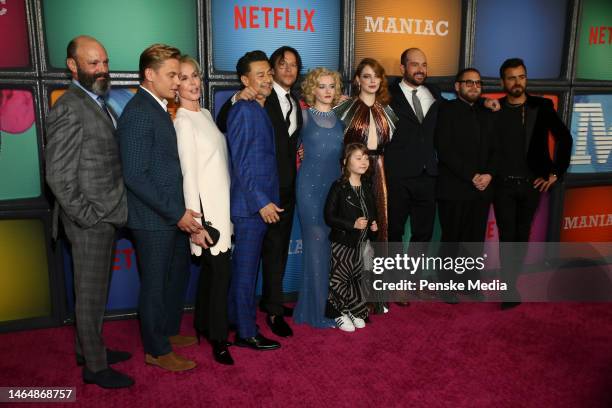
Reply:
x=464, y=141
x=525, y=167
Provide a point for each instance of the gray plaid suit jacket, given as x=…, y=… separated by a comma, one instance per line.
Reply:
x=83, y=166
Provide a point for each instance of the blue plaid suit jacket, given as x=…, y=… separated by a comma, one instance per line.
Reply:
x=250, y=137
x=151, y=167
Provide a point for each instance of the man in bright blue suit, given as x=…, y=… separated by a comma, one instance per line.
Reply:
x=253, y=195
x=156, y=208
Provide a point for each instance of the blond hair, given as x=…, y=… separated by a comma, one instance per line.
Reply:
x=188, y=59
x=154, y=56
x=311, y=81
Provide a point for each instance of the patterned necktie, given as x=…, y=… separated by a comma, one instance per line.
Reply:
x=418, y=109
x=288, y=116
x=102, y=103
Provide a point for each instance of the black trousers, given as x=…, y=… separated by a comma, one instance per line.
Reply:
x=462, y=221
x=274, y=255
x=515, y=204
x=414, y=197
x=210, y=314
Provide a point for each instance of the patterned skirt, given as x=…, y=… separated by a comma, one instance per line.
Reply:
x=346, y=283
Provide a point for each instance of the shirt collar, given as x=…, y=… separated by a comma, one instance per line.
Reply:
x=91, y=94
x=409, y=88
x=162, y=102
x=280, y=91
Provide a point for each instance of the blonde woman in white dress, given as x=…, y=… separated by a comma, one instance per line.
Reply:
x=206, y=186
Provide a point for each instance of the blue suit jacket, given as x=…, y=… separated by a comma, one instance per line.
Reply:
x=250, y=137
x=151, y=168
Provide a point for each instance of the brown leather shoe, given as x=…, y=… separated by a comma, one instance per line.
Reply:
x=182, y=341
x=170, y=362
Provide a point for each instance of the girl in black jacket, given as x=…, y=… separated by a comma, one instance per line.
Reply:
x=350, y=211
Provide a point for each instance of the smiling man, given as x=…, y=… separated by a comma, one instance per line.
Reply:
x=83, y=169
x=157, y=216
x=254, y=195
x=283, y=108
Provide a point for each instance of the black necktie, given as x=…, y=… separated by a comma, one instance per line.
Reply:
x=288, y=116
x=102, y=103
x=418, y=109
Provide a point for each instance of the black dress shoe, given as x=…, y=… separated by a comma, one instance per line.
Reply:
x=107, y=378
x=112, y=357
x=279, y=326
x=220, y=352
x=258, y=342
x=287, y=311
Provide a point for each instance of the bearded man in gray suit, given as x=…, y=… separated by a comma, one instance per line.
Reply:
x=83, y=169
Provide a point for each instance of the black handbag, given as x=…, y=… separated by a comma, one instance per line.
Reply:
x=213, y=232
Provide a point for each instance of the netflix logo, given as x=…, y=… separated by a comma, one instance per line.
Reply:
x=600, y=35
x=273, y=17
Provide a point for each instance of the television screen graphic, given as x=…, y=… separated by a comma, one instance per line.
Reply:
x=531, y=30
x=14, y=46
x=384, y=29
x=125, y=28
x=591, y=127
x=312, y=27
x=18, y=146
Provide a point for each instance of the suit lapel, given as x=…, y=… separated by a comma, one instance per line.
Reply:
x=531, y=113
x=93, y=105
x=298, y=113
x=273, y=107
x=404, y=105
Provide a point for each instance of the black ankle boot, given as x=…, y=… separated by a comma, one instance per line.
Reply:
x=221, y=353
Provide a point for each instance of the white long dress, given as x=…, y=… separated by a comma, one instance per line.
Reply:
x=205, y=165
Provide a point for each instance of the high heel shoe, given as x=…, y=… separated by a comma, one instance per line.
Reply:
x=220, y=352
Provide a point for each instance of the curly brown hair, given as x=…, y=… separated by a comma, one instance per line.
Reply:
x=311, y=81
x=382, y=95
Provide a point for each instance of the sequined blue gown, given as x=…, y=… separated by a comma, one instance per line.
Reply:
x=322, y=138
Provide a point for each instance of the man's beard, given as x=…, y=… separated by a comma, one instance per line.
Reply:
x=91, y=83
x=411, y=80
x=471, y=98
x=516, y=91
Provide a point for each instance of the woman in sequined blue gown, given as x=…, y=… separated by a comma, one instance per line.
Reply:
x=322, y=139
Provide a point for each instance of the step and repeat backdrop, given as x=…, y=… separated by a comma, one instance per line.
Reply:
x=566, y=45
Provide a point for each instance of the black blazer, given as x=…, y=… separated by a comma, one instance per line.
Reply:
x=342, y=208
x=411, y=148
x=466, y=145
x=540, y=118
x=286, y=147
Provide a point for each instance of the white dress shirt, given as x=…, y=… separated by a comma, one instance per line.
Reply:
x=286, y=104
x=425, y=97
x=162, y=102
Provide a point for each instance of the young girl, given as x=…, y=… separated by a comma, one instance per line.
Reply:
x=350, y=211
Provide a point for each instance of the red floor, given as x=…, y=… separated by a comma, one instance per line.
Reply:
x=427, y=355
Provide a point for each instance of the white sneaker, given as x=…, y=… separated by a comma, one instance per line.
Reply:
x=357, y=322
x=344, y=323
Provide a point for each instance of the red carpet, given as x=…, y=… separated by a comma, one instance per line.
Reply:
x=427, y=355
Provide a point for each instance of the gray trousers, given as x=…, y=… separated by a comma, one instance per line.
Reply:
x=92, y=254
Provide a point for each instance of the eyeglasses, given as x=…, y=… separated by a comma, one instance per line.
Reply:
x=470, y=84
